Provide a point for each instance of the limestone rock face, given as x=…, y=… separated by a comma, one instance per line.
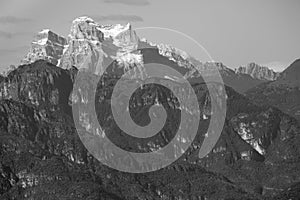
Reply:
x=92, y=46
x=85, y=28
x=258, y=72
x=123, y=36
x=47, y=45
x=89, y=46
x=84, y=45
x=39, y=83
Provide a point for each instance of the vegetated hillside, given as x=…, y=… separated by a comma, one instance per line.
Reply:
x=42, y=155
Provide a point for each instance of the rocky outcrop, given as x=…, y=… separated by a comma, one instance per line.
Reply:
x=41, y=84
x=258, y=72
x=47, y=45
x=84, y=46
x=93, y=47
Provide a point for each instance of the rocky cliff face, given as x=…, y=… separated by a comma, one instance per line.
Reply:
x=258, y=72
x=47, y=45
x=93, y=46
x=51, y=92
x=84, y=45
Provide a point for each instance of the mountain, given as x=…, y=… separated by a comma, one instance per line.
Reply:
x=241, y=82
x=258, y=72
x=42, y=154
x=41, y=149
x=283, y=93
x=90, y=42
x=47, y=45
x=277, y=66
x=38, y=130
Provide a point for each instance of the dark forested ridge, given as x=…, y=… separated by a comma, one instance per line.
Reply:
x=42, y=156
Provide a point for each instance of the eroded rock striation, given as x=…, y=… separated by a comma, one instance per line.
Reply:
x=258, y=72
x=47, y=45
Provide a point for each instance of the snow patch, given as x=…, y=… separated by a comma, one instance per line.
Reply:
x=44, y=31
x=41, y=41
x=114, y=30
x=83, y=19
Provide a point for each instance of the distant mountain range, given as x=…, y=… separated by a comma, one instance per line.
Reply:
x=106, y=43
x=258, y=72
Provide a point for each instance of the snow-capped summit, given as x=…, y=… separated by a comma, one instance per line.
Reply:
x=44, y=31
x=90, y=42
x=83, y=19
x=46, y=45
x=90, y=45
x=123, y=36
x=114, y=30
x=85, y=28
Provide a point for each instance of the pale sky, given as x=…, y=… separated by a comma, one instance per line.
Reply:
x=235, y=32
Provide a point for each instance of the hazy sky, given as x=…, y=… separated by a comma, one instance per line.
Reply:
x=234, y=32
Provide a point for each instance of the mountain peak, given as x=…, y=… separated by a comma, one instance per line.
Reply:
x=47, y=36
x=83, y=19
x=258, y=72
x=46, y=45
x=114, y=30
x=85, y=28
x=111, y=30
